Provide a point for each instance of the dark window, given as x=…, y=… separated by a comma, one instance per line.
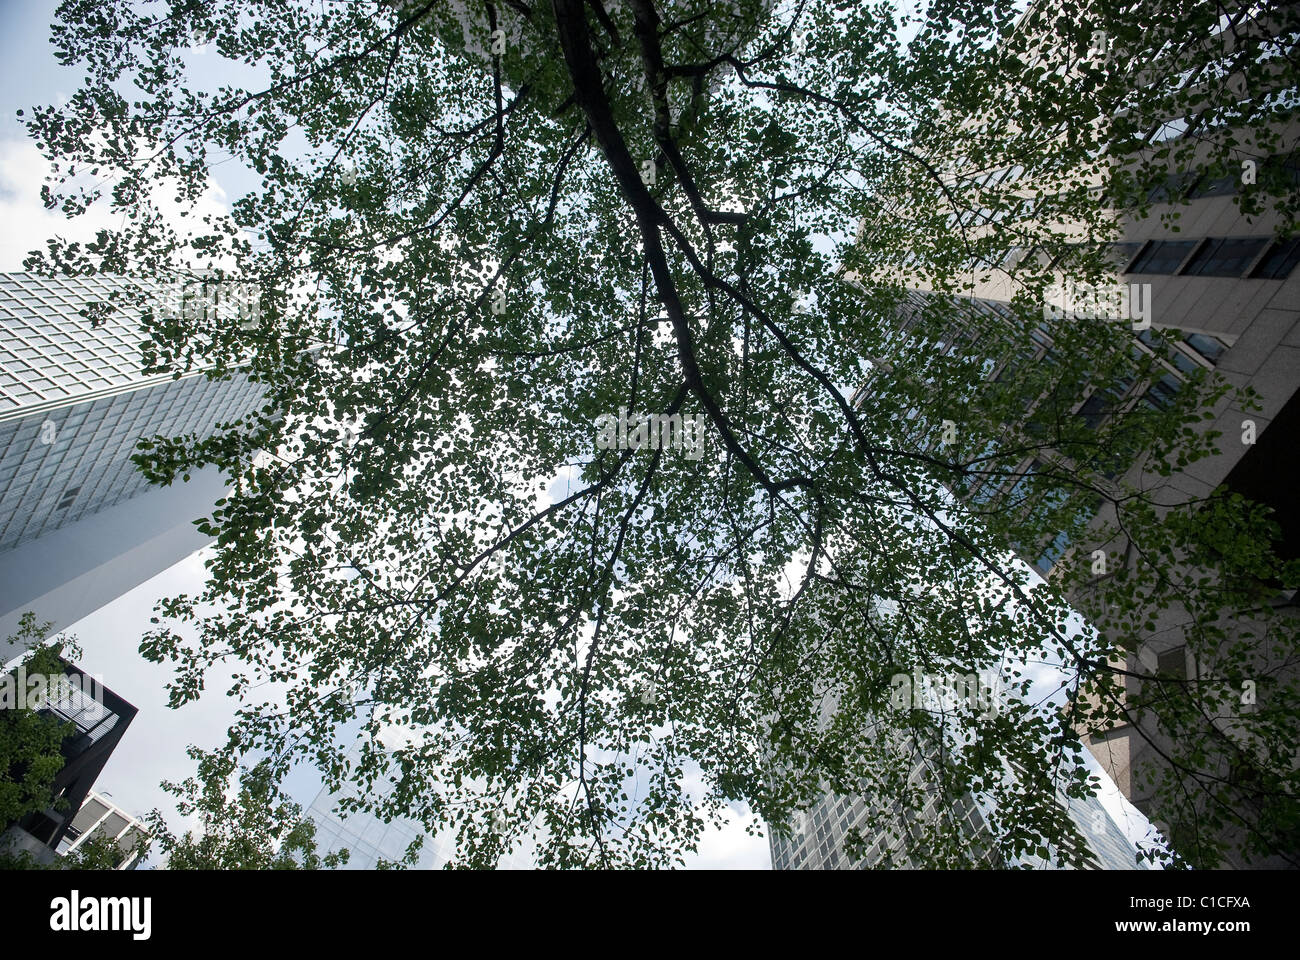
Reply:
x=1208, y=347
x=1264, y=474
x=1279, y=261
x=1122, y=253
x=1175, y=187
x=1093, y=410
x=1172, y=664
x=1225, y=256
x=1162, y=256
x=1215, y=186
x=1007, y=373
x=1285, y=165
x=1162, y=393
x=1183, y=362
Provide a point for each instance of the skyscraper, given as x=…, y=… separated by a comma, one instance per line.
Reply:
x=892, y=825
x=816, y=842
x=366, y=837
x=818, y=834
x=79, y=524
x=1223, y=287
x=1106, y=841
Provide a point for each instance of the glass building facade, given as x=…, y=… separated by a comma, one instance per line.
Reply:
x=817, y=837
x=1106, y=841
x=79, y=524
x=818, y=834
x=87, y=467
x=367, y=838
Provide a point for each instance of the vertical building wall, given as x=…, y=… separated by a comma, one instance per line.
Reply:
x=96, y=719
x=818, y=834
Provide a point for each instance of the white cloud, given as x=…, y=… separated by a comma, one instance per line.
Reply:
x=28, y=225
x=730, y=848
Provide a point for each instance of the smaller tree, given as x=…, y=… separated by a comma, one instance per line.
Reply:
x=30, y=741
x=96, y=853
x=259, y=828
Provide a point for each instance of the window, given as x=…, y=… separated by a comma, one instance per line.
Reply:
x=1280, y=260
x=1225, y=256
x=1162, y=256
x=1183, y=362
x=1286, y=166
x=1008, y=372
x=1173, y=664
x=68, y=497
x=1018, y=491
x=1122, y=253
x=1048, y=558
x=1093, y=410
x=1224, y=186
x=1175, y=187
x=1162, y=393
x=1210, y=348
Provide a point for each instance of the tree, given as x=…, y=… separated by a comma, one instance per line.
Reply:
x=95, y=853
x=31, y=741
x=483, y=230
x=256, y=829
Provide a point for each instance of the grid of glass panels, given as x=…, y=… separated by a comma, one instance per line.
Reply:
x=49, y=350
x=61, y=464
x=367, y=838
x=87, y=466
x=1225, y=256
x=1219, y=257
x=1105, y=839
x=817, y=840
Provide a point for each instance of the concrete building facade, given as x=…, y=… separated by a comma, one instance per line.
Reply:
x=1223, y=285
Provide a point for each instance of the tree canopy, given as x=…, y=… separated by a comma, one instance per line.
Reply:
x=477, y=229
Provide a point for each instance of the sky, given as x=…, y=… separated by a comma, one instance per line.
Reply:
x=154, y=748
